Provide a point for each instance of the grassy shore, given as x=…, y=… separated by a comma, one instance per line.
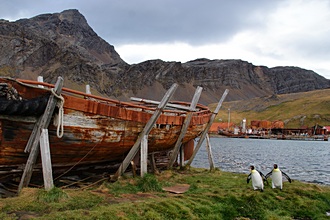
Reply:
x=211, y=195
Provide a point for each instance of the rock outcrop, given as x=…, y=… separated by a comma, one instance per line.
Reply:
x=57, y=44
x=243, y=79
x=64, y=44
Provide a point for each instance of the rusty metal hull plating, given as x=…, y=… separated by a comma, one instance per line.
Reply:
x=95, y=129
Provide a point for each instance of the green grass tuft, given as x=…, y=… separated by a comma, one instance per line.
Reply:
x=53, y=195
x=149, y=183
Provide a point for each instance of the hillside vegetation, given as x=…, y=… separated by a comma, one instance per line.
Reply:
x=295, y=109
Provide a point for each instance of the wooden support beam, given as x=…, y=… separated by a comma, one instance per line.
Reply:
x=181, y=156
x=33, y=135
x=88, y=89
x=144, y=155
x=209, y=152
x=146, y=130
x=46, y=160
x=153, y=163
x=33, y=143
x=185, y=126
x=40, y=79
x=206, y=130
x=133, y=168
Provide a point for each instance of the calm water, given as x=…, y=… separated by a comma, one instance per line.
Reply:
x=307, y=161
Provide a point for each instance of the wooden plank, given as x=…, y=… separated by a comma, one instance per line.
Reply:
x=46, y=160
x=133, y=168
x=185, y=126
x=88, y=89
x=182, y=107
x=32, y=136
x=153, y=163
x=206, y=130
x=40, y=79
x=43, y=122
x=146, y=130
x=177, y=189
x=209, y=152
x=144, y=155
x=181, y=156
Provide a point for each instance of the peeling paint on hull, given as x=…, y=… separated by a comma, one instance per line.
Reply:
x=95, y=129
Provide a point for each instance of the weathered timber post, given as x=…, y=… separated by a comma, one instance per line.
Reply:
x=133, y=168
x=40, y=79
x=153, y=163
x=185, y=127
x=88, y=89
x=33, y=143
x=146, y=130
x=206, y=130
x=181, y=156
x=144, y=155
x=209, y=152
x=46, y=161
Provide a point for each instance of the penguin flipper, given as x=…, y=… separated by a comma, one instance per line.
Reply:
x=261, y=174
x=248, y=178
x=268, y=174
x=264, y=179
x=286, y=176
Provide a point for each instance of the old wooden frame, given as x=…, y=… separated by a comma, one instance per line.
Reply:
x=146, y=130
x=206, y=130
x=33, y=143
x=185, y=126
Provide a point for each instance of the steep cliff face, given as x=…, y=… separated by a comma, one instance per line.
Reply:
x=63, y=44
x=294, y=79
x=57, y=44
x=243, y=79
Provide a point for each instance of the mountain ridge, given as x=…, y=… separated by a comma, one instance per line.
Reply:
x=63, y=44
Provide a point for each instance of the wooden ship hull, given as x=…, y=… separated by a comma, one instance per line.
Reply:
x=96, y=129
x=231, y=135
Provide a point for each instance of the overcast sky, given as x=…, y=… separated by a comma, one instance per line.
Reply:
x=270, y=32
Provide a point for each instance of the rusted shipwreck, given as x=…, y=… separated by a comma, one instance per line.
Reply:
x=96, y=129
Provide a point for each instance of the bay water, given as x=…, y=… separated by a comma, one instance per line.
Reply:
x=307, y=161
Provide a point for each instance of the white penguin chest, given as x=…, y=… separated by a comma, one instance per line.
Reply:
x=256, y=179
x=277, y=178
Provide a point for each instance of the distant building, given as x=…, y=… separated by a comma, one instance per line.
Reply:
x=327, y=130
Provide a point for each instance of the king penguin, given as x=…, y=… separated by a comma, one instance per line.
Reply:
x=257, y=179
x=276, y=175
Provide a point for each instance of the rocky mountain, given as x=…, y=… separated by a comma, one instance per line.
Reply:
x=63, y=44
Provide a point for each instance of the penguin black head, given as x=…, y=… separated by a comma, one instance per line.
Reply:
x=275, y=166
x=252, y=167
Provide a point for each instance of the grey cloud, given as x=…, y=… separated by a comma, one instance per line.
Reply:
x=312, y=48
x=194, y=22
x=154, y=21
